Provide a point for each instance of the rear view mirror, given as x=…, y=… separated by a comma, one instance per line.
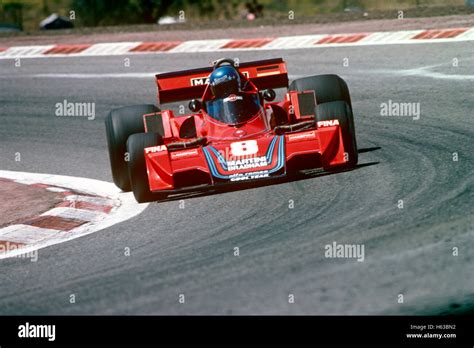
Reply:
x=195, y=105
x=269, y=95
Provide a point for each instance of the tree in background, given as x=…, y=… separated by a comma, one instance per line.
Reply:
x=12, y=13
x=96, y=12
x=117, y=12
x=254, y=8
x=107, y=12
x=151, y=10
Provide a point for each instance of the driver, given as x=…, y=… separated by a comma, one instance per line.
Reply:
x=224, y=81
x=231, y=105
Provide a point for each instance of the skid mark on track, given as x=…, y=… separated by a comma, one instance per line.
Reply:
x=428, y=71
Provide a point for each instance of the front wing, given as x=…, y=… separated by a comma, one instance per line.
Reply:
x=270, y=156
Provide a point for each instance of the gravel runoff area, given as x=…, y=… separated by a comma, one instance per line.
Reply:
x=143, y=33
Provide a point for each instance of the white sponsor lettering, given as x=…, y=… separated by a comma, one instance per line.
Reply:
x=154, y=149
x=199, y=81
x=247, y=163
x=204, y=80
x=302, y=136
x=181, y=154
x=249, y=176
x=328, y=123
x=233, y=98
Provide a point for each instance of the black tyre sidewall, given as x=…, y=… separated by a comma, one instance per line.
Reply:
x=120, y=124
x=342, y=112
x=137, y=170
x=328, y=88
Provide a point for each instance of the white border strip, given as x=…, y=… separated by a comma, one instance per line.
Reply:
x=279, y=43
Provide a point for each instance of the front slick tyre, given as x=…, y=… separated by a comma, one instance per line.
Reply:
x=341, y=111
x=137, y=170
x=119, y=125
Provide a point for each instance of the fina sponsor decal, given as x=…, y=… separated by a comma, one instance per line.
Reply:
x=328, y=123
x=154, y=149
x=247, y=163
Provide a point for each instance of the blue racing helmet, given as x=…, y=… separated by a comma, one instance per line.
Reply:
x=224, y=81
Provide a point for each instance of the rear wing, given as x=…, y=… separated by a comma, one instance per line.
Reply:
x=190, y=84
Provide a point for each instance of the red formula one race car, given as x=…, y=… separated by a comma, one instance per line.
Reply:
x=235, y=132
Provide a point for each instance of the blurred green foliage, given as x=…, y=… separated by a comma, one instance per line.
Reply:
x=107, y=12
x=122, y=12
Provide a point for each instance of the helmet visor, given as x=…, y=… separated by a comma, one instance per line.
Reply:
x=234, y=109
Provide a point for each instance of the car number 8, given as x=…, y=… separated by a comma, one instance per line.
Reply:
x=244, y=148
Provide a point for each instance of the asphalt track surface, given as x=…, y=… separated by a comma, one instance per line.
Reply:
x=190, y=251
